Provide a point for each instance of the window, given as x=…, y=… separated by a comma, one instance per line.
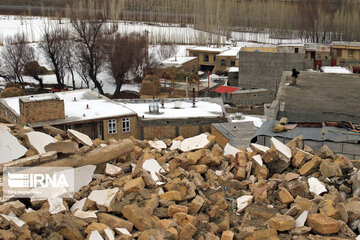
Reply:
x=223, y=62
x=195, y=54
x=232, y=63
x=206, y=57
x=112, y=126
x=126, y=125
x=296, y=50
x=351, y=53
x=338, y=52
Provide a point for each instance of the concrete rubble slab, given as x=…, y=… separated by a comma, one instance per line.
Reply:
x=152, y=166
x=123, y=231
x=86, y=214
x=10, y=148
x=83, y=176
x=12, y=218
x=103, y=197
x=109, y=235
x=315, y=186
x=157, y=144
x=175, y=145
x=258, y=159
x=56, y=205
x=230, y=150
x=78, y=205
x=80, y=137
x=300, y=221
x=62, y=147
x=112, y=170
x=259, y=148
x=193, y=143
x=38, y=140
x=95, y=235
x=281, y=148
x=243, y=202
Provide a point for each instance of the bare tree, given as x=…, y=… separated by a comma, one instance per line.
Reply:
x=89, y=34
x=126, y=55
x=53, y=45
x=16, y=53
x=70, y=63
x=33, y=69
x=167, y=51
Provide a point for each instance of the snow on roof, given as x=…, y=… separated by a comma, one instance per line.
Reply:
x=345, y=43
x=36, y=98
x=81, y=105
x=202, y=109
x=233, y=69
x=208, y=49
x=342, y=70
x=230, y=53
x=177, y=61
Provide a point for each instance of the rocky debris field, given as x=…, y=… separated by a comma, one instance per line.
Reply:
x=186, y=189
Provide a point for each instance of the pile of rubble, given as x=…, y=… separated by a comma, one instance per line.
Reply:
x=186, y=189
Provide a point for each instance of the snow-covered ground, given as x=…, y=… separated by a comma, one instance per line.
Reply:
x=32, y=27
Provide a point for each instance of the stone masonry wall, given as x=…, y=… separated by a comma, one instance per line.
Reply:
x=42, y=111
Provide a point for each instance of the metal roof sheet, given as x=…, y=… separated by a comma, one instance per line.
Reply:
x=326, y=133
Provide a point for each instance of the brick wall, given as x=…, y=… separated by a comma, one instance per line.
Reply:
x=41, y=111
x=159, y=132
x=8, y=115
x=134, y=130
x=188, y=130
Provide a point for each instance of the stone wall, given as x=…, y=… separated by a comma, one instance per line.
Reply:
x=252, y=97
x=134, y=129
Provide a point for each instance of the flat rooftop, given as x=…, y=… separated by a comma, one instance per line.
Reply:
x=174, y=61
x=205, y=108
x=80, y=105
x=233, y=52
x=208, y=49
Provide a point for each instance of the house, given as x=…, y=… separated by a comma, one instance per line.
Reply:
x=233, y=76
x=291, y=48
x=83, y=110
x=206, y=56
x=185, y=64
x=318, y=97
x=169, y=118
x=314, y=135
x=261, y=48
x=318, y=53
x=226, y=60
x=346, y=54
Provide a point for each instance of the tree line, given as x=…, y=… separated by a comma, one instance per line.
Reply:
x=90, y=46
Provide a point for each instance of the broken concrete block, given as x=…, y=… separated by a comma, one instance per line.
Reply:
x=56, y=205
x=112, y=170
x=38, y=140
x=227, y=235
x=79, y=205
x=103, y=198
x=259, y=148
x=196, y=204
x=157, y=144
x=281, y=148
x=258, y=160
x=177, y=208
x=153, y=166
x=122, y=231
x=230, y=150
x=284, y=196
x=62, y=147
x=80, y=137
x=193, y=143
x=88, y=216
x=175, y=145
x=300, y=221
x=243, y=202
x=83, y=176
x=10, y=148
x=315, y=186
x=171, y=196
x=12, y=219
x=53, y=131
x=330, y=169
x=310, y=166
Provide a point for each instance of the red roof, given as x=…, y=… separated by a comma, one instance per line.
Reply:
x=225, y=89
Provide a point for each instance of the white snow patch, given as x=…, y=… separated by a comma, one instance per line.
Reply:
x=230, y=150
x=10, y=148
x=315, y=186
x=300, y=221
x=158, y=144
x=193, y=143
x=39, y=140
x=243, y=202
x=56, y=205
x=112, y=170
x=335, y=69
x=282, y=148
x=152, y=166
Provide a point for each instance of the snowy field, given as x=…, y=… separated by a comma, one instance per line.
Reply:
x=186, y=36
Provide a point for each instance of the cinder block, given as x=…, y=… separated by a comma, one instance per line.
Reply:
x=351, y=148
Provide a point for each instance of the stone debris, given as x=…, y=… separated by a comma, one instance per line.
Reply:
x=190, y=189
x=10, y=148
x=38, y=140
x=80, y=137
